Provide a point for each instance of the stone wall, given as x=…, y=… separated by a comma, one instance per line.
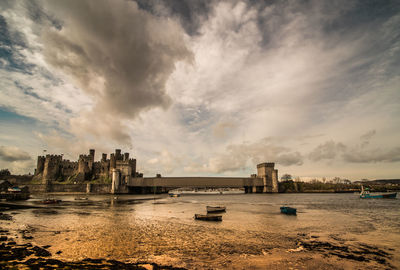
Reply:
x=81, y=188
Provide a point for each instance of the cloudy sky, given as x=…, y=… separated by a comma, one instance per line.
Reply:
x=204, y=87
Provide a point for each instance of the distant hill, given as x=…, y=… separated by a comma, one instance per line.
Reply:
x=380, y=181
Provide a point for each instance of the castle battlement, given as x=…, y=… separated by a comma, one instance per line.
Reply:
x=53, y=167
x=49, y=156
x=266, y=164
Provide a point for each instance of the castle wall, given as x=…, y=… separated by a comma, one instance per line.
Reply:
x=68, y=168
x=53, y=167
x=40, y=165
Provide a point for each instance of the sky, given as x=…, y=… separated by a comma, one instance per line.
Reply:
x=207, y=88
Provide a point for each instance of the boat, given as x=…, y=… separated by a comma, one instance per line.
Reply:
x=365, y=194
x=51, y=201
x=174, y=195
x=81, y=198
x=208, y=217
x=288, y=210
x=215, y=209
x=15, y=193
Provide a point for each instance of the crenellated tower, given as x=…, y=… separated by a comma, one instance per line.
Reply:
x=270, y=176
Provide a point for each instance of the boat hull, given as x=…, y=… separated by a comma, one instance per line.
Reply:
x=216, y=209
x=208, y=217
x=379, y=196
x=288, y=210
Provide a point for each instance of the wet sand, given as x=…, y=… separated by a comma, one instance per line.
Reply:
x=122, y=237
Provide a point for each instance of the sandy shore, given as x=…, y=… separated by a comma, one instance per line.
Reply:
x=197, y=247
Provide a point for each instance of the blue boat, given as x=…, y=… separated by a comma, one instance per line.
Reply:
x=288, y=210
x=366, y=195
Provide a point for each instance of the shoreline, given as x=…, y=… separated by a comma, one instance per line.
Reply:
x=19, y=249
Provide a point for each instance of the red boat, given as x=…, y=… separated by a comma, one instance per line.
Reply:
x=51, y=201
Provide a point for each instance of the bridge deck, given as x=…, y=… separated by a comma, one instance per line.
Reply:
x=211, y=182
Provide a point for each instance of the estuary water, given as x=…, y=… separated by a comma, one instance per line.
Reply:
x=330, y=230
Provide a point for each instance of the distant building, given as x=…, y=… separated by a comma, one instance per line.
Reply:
x=55, y=168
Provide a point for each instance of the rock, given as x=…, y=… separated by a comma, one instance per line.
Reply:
x=5, y=216
x=41, y=252
x=20, y=253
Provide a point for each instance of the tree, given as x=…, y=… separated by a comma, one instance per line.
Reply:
x=286, y=177
x=336, y=180
x=4, y=172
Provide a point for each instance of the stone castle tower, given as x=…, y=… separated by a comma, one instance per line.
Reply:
x=270, y=176
x=54, y=167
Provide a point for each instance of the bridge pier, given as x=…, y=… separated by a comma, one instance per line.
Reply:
x=253, y=189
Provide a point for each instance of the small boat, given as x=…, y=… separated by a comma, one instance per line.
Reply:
x=288, y=210
x=215, y=209
x=208, y=217
x=366, y=195
x=81, y=198
x=174, y=195
x=51, y=201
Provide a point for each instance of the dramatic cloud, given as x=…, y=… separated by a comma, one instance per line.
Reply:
x=9, y=153
x=328, y=150
x=193, y=87
x=120, y=55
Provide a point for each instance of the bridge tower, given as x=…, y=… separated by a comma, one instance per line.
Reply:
x=269, y=174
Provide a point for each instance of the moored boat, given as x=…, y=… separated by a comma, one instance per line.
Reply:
x=81, y=198
x=215, y=209
x=365, y=194
x=51, y=201
x=288, y=210
x=208, y=217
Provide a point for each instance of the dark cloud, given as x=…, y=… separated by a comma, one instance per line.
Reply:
x=10, y=154
x=327, y=150
x=358, y=153
x=118, y=47
x=190, y=13
x=119, y=54
x=373, y=156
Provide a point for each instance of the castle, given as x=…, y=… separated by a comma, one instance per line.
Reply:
x=119, y=174
x=55, y=168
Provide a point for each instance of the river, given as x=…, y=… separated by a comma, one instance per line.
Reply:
x=330, y=231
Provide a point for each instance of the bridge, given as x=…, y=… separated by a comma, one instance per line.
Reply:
x=266, y=180
x=164, y=184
